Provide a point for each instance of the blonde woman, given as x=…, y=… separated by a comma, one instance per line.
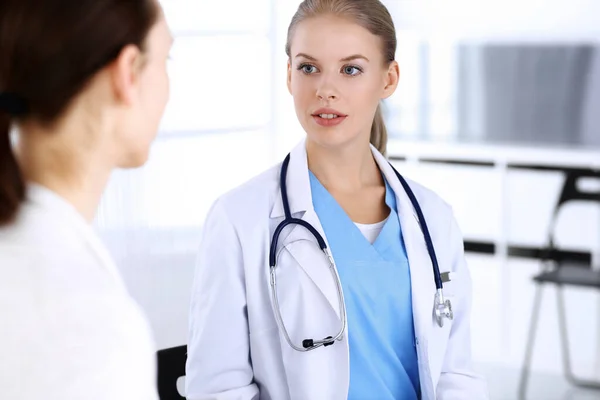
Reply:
x=331, y=276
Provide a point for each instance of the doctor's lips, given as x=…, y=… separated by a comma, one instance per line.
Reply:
x=328, y=117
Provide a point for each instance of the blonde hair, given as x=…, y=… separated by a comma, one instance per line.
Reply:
x=371, y=15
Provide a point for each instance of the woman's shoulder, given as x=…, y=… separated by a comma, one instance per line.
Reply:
x=44, y=243
x=62, y=285
x=29, y=270
x=71, y=318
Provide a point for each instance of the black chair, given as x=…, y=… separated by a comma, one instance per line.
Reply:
x=171, y=367
x=563, y=269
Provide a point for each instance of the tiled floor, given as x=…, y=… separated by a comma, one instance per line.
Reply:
x=503, y=384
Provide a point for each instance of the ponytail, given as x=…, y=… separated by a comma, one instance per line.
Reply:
x=12, y=185
x=379, y=132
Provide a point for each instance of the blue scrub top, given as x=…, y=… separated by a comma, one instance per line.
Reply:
x=377, y=291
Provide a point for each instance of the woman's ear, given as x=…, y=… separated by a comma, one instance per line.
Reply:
x=125, y=74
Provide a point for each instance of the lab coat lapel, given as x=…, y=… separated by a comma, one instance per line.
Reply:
x=300, y=201
x=421, y=269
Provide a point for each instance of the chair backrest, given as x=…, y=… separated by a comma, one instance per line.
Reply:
x=171, y=367
x=571, y=191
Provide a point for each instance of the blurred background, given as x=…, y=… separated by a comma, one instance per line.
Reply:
x=497, y=111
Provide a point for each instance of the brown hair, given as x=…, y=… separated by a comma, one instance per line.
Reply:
x=50, y=50
x=371, y=15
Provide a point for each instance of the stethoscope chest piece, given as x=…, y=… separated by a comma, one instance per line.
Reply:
x=442, y=308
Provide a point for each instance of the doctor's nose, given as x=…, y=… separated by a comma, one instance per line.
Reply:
x=326, y=95
x=327, y=92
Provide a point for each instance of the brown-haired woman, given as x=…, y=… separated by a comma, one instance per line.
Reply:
x=83, y=85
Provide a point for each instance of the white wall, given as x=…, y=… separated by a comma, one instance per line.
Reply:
x=496, y=19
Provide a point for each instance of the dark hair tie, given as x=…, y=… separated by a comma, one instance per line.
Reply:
x=13, y=104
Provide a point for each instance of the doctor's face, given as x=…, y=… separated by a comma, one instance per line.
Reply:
x=337, y=76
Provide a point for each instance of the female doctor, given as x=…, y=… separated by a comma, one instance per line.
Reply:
x=85, y=84
x=316, y=280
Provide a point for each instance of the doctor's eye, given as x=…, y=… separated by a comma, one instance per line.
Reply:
x=307, y=68
x=352, y=70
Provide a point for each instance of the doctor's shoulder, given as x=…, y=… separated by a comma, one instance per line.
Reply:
x=431, y=202
x=443, y=226
x=251, y=202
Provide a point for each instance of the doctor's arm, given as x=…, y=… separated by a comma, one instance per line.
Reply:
x=218, y=364
x=458, y=380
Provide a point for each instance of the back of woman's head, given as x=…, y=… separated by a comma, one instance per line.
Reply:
x=49, y=52
x=371, y=15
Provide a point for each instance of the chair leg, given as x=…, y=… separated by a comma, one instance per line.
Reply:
x=530, y=341
x=562, y=321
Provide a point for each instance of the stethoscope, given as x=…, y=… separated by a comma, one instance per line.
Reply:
x=442, y=308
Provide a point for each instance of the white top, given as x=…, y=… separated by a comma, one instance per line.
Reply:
x=69, y=329
x=371, y=231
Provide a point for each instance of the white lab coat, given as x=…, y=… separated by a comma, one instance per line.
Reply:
x=68, y=328
x=235, y=349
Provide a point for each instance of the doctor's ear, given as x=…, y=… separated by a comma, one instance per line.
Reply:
x=289, y=76
x=392, y=78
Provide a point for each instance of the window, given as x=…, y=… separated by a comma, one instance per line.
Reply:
x=217, y=127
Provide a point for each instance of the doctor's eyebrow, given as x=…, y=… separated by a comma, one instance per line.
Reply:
x=345, y=59
x=354, y=57
x=302, y=55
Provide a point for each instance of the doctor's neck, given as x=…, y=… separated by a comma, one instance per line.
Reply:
x=65, y=162
x=344, y=169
